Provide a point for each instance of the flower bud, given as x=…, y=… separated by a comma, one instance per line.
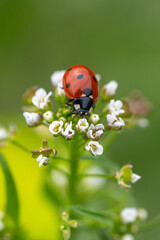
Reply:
x=60, y=96
x=48, y=116
x=126, y=176
x=65, y=216
x=109, y=90
x=94, y=118
x=73, y=223
x=32, y=119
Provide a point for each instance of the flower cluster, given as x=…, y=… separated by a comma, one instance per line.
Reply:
x=129, y=218
x=67, y=225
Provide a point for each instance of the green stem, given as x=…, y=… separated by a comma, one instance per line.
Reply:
x=109, y=139
x=150, y=225
x=74, y=163
x=19, y=145
x=98, y=176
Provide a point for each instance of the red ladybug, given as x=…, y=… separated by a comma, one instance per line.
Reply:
x=81, y=86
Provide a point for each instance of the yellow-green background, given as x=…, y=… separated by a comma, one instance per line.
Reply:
x=120, y=39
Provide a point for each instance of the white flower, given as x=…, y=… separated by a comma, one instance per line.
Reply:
x=68, y=132
x=42, y=160
x=41, y=98
x=115, y=107
x=94, y=118
x=82, y=125
x=48, y=116
x=1, y=225
x=110, y=89
x=114, y=122
x=3, y=134
x=98, y=76
x=95, y=132
x=55, y=127
x=57, y=78
x=142, y=214
x=94, y=147
x=135, y=178
x=129, y=215
x=32, y=119
x=128, y=237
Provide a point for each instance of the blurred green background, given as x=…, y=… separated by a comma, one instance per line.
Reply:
x=120, y=39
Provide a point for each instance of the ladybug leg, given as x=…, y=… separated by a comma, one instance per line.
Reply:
x=68, y=103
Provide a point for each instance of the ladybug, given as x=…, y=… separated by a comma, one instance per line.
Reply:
x=81, y=86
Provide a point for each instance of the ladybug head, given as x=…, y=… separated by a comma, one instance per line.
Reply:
x=83, y=112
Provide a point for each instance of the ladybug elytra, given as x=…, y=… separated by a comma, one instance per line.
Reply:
x=81, y=86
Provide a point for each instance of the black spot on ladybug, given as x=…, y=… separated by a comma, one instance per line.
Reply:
x=94, y=79
x=80, y=76
x=88, y=92
x=68, y=85
x=69, y=69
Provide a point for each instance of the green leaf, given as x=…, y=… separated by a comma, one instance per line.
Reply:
x=103, y=218
x=12, y=203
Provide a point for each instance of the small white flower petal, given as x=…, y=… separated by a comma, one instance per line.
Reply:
x=129, y=215
x=94, y=147
x=128, y=237
x=32, y=119
x=41, y=98
x=135, y=178
x=41, y=159
x=94, y=118
x=57, y=78
x=110, y=88
x=115, y=107
x=98, y=76
x=48, y=116
x=68, y=132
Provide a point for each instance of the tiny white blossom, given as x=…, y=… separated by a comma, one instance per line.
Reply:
x=94, y=147
x=68, y=132
x=129, y=215
x=135, y=178
x=1, y=225
x=48, y=116
x=42, y=160
x=82, y=125
x=32, y=119
x=98, y=76
x=94, y=118
x=55, y=127
x=115, y=107
x=3, y=134
x=95, y=132
x=57, y=78
x=142, y=214
x=110, y=88
x=128, y=237
x=114, y=122
x=41, y=98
